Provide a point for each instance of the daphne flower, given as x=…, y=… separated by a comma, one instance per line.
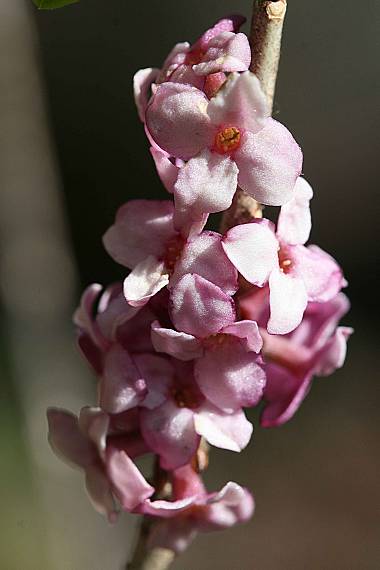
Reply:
x=218, y=51
x=227, y=366
x=91, y=442
x=296, y=274
x=228, y=140
x=110, y=338
x=317, y=347
x=144, y=239
x=193, y=510
x=175, y=414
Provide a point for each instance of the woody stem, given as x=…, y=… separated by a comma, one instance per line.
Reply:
x=265, y=39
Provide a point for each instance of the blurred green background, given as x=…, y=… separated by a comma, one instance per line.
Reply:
x=71, y=151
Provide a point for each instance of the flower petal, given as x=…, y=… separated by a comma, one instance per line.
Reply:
x=288, y=300
x=147, y=278
x=129, y=484
x=167, y=171
x=177, y=120
x=141, y=228
x=66, y=439
x=230, y=377
x=227, y=431
x=294, y=220
x=240, y=103
x=248, y=331
x=253, y=249
x=333, y=354
x=142, y=82
x=321, y=274
x=158, y=374
x=100, y=493
x=226, y=52
x=204, y=256
x=122, y=386
x=269, y=163
x=199, y=307
x=94, y=423
x=205, y=185
x=169, y=431
x=284, y=393
x=178, y=344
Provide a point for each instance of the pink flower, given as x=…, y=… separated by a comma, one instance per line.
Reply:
x=144, y=239
x=175, y=414
x=227, y=366
x=110, y=339
x=228, y=140
x=218, y=51
x=296, y=274
x=92, y=442
x=194, y=510
x=316, y=347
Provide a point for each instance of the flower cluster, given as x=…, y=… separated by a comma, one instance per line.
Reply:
x=204, y=324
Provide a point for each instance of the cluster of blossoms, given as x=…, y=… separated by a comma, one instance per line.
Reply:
x=205, y=324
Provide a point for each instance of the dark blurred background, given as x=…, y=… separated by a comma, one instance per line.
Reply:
x=71, y=151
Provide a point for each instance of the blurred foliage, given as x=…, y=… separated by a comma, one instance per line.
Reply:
x=51, y=4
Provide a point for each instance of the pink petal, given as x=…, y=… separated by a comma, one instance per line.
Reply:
x=240, y=103
x=253, y=249
x=177, y=120
x=158, y=374
x=321, y=274
x=178, y=344
x=94, y=424
x=134, y=335
x=141, y=228
x=204, y=256
x=227, y=431
x=199, y=307
x=269, y=163
x=166, y=509
x=284, y=393
x=129, y=484
x=122, y=386
x=66, y=439
x=117, y=313
x=229, y=376
x=99, y=490
x=333, y=354
x=232, y=505
x=206, y=184
x=142, y=82
x=84, y=316
x=147, y=278
x=167, y=171
x=175, y=58
x=226, y=52
x=288, y=300
x=248, y=331
x=294, y=220
x=169, y=431
x=229, y=24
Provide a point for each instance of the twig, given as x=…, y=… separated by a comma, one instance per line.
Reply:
x=265, y=39
x=153, y=559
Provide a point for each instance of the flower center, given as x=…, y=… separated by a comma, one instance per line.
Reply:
x=216, y=340
x=173, y=252
x=284, y=260
x=185, y=397
x=194, y=56
x=227, y=140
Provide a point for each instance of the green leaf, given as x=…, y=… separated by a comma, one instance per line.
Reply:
x=51, y=4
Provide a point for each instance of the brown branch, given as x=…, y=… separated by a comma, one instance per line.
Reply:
x=265, y=39
x=149, y=559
